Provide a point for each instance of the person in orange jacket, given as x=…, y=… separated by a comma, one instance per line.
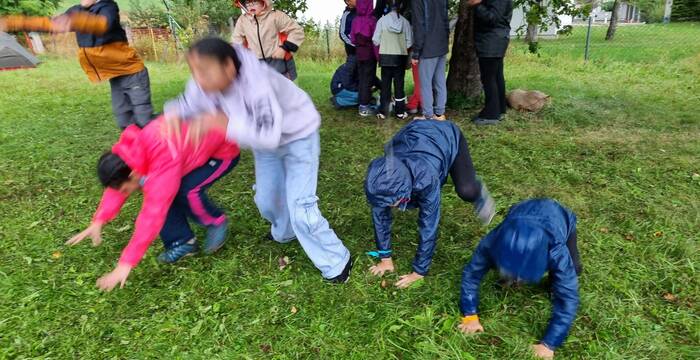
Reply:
x=104, y=55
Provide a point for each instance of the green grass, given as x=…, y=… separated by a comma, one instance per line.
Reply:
x=619, y=145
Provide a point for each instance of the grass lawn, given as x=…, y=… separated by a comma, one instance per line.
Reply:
x=619, y=145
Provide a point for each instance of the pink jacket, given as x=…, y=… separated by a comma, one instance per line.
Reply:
x=163, y=163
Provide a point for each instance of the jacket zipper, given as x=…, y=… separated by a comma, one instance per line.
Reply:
x=93, y=66
x=257, y=24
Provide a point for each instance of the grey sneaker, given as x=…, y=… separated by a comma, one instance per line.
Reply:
x=484, y=206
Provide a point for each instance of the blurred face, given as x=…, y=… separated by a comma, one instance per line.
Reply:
x=210, y=74
x=87, y=3
x=255, y=6
x=350, y=3
x=131, y=185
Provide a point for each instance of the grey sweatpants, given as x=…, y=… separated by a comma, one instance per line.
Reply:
x=433, y=85
x=131, y=99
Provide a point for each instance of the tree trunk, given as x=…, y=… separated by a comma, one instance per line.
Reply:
x=532, y=38
x=464, y=79
x=613, y=21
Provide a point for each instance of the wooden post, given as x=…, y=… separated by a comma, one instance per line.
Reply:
x=153, y=43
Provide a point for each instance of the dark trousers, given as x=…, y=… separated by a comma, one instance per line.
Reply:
x=131, y=99
x=192, y=202
x=367, y=72
x=494, y=85
x=573, y=251
x=395, y=75
x=463, y=174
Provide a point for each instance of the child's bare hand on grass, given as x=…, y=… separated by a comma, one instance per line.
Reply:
x=117, y=276
x=408, y=279
x=471, y=327
x=542, y=352
x=94, y=231
x=383, y=266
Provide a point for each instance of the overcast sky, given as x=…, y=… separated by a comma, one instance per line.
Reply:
x=324, y=10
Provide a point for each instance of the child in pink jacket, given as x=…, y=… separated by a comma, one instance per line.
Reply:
x=174, y=176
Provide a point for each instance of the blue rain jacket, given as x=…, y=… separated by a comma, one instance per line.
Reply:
x=415, y=166
x=529, y=242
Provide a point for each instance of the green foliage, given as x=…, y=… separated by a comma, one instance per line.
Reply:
x=546, y=14
x=608, y=5
x=147, y=15
x=686, y=10
x=29, y=7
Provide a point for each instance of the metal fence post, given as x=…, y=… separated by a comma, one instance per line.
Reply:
x=328, y=42
x=588, y=38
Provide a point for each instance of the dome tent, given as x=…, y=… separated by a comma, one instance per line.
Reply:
x=13, y=55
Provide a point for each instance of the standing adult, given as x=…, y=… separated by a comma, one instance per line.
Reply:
x=431, y=35
x=492, y=35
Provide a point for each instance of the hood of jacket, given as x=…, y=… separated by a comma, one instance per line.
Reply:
x=388, y=181
x=129, y=150
x=394, y=23
x=522, y=252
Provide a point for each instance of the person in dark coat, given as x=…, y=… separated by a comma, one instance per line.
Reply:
x=537, y=236
x=410, y=175
x=492, y=35
x=345, y=26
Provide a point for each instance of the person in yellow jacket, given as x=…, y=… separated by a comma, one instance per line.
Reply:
x=104, y=54
x=272, y=35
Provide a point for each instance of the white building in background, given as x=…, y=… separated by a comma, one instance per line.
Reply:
x=627, y=13
x=518, y=24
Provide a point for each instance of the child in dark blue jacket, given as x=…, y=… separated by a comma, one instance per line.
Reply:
x=411, y=175
x=537, y=236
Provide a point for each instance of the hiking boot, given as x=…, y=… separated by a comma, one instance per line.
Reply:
x=381, y=116
x=216, y=237
x=484, y=206
x=178, y=252
x=344, y=276
x=440, y=117
x=402, y=116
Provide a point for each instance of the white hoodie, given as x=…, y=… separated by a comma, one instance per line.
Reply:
x=265, y=109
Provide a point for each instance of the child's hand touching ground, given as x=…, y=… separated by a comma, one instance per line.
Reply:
x=118, y=276
x=470, y=325
x=408, y=279
x=383, y=266
x=94, y=231
x=542, y=352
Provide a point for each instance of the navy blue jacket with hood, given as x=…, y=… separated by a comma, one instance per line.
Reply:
x=529, y=242
x=415, y=166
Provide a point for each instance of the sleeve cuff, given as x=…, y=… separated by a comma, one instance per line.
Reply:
x=290, y=46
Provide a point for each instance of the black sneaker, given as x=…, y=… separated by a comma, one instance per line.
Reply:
x=344, y=276
x=269, y=237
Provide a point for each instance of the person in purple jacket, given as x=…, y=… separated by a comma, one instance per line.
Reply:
x=363, y=26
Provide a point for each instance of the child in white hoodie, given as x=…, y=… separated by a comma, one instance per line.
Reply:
x=265, y=111
x=394, y=37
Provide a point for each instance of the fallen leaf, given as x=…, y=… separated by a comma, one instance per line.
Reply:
x=293, y=310
x=56, y=255
x=659, y=233
x=670, y=297
x=695, y=176
x=266, y=348
x=629, y=237
x=283, y=262
x=604, y=230
x=384, y=284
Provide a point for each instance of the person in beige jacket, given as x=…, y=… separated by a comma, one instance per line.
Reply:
x=272, y=35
